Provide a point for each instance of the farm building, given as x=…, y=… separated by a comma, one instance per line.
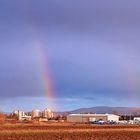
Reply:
x=84, y=118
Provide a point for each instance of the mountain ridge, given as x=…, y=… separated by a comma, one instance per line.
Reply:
x=106, y=109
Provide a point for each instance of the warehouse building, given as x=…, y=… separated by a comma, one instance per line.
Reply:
x=85, y=118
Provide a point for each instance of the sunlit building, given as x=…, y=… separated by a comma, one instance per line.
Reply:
x=21, y=115
x=36, y=113
x=85, y=118
x=137, y=119
x=47, y=113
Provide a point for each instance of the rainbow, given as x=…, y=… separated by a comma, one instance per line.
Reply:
x=45, y=73
x=39, y=49
x=46, y=76
x=132, y=89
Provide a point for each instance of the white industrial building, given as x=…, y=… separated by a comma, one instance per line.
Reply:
x=85, y=118
x=137, y=119
x=21, y=115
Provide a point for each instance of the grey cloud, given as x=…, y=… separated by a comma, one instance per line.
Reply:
x=92, y=47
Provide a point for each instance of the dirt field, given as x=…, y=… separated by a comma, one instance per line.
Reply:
x=64, y=131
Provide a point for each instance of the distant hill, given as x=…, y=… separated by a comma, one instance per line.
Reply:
x=106, y=109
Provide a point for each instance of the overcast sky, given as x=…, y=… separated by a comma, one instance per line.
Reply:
x=92, y=48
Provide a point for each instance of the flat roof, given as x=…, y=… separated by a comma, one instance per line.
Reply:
x=94, y=115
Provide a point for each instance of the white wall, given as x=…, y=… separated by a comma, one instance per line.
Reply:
x=114, y=118
x=87, y=118
x=75, y=119
x=137, y=118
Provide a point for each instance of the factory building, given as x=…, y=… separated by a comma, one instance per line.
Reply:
x=47, y=113
x=85, y=118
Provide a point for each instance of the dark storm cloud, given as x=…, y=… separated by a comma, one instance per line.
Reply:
x=92, y=47
x=109, y=21
x=19, y=73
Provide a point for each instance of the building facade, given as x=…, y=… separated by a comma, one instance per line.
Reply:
x=22, y=116
x=137, y=119
x=85, y=118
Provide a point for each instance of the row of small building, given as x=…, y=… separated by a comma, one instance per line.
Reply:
x=46, y=114
x=74, y=118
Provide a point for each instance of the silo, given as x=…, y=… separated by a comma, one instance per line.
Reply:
x=47, y=113
x=36, y=113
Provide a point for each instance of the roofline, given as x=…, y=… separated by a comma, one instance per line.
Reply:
x=92, y=115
